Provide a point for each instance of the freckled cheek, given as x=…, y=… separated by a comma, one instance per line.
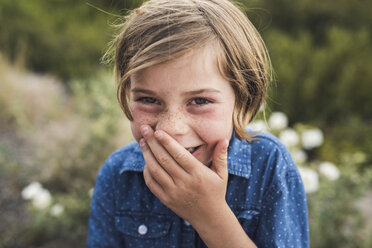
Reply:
x=214, y=128
x=140, y=118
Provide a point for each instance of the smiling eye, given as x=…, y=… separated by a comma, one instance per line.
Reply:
x=200, y=101
x=148, y=100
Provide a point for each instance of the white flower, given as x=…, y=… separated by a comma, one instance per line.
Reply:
x=31, y=190
x=57, y=209
x=329, y=170
x=312, y=138
x=278, y=120
x=289, y=137
x=42, y=200
x=310, y=179
x=299, y=156
x=258, y=125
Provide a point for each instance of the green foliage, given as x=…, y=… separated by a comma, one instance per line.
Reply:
x=326, y=85
x=315, y=83
x=70, y=225
x=65, y=38
x=59, y=140
x=335, y=219
x=82, y=137
x=321, y=54
x=351, y=138
x=20, y=97
x=295, y=17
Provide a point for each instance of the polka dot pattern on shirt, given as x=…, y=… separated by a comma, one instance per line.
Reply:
x=264, y=191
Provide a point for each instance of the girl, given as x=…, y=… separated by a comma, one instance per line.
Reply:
x=191, y=75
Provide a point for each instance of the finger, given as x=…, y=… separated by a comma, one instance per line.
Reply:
x=219, y=161
x=178, y=152
x=154, y=169
x=152, y=184
x=164, y=159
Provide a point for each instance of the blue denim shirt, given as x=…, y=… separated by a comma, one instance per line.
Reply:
x=264, y=191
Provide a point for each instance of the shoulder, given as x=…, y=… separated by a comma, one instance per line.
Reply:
x=129, y=156
x=269, y=153
x=123, y=153
x=267, y=141
x=268, y=146
x=266, y=154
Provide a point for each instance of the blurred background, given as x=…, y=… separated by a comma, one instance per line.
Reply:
x=59, y=118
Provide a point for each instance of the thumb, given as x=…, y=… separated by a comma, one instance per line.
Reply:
x=219, y=163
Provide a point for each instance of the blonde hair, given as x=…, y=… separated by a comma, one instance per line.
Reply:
x=161, y=30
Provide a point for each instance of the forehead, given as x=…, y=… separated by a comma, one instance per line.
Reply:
x=199, y=65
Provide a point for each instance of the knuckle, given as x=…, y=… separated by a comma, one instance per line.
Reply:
x=223, y=157
x=155, y=173
x=173, y=193
x=149, y=168
x=148, y=179
x=197, y=177
x=163, y=159
x=165, y=141
x=173, y=198
x=145, y=175
x=148, y=182
x=179, y=156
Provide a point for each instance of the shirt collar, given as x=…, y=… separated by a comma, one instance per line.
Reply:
x=238, y=158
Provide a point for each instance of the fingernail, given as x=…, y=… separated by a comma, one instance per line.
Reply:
x=142, y=142
x=144, y=130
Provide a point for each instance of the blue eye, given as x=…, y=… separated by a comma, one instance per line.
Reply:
x=148, y=100
x=200, y=101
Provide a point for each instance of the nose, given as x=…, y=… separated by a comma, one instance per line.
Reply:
x=172, y=122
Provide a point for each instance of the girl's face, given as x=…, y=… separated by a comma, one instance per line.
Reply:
x=186, y=97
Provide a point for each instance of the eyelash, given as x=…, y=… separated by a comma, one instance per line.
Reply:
x=148, y=100
x=205, y=101
x=151, y=100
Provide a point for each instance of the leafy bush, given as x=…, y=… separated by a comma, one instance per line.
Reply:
x=65, y=38
x=314, y=83
x=59, y=140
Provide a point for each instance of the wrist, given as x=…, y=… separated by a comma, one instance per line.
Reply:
x=212, y=218
x=222, y=229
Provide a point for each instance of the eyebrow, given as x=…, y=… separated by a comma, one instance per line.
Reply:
x=206, y=90
x=140, y=90
x=192, y=92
